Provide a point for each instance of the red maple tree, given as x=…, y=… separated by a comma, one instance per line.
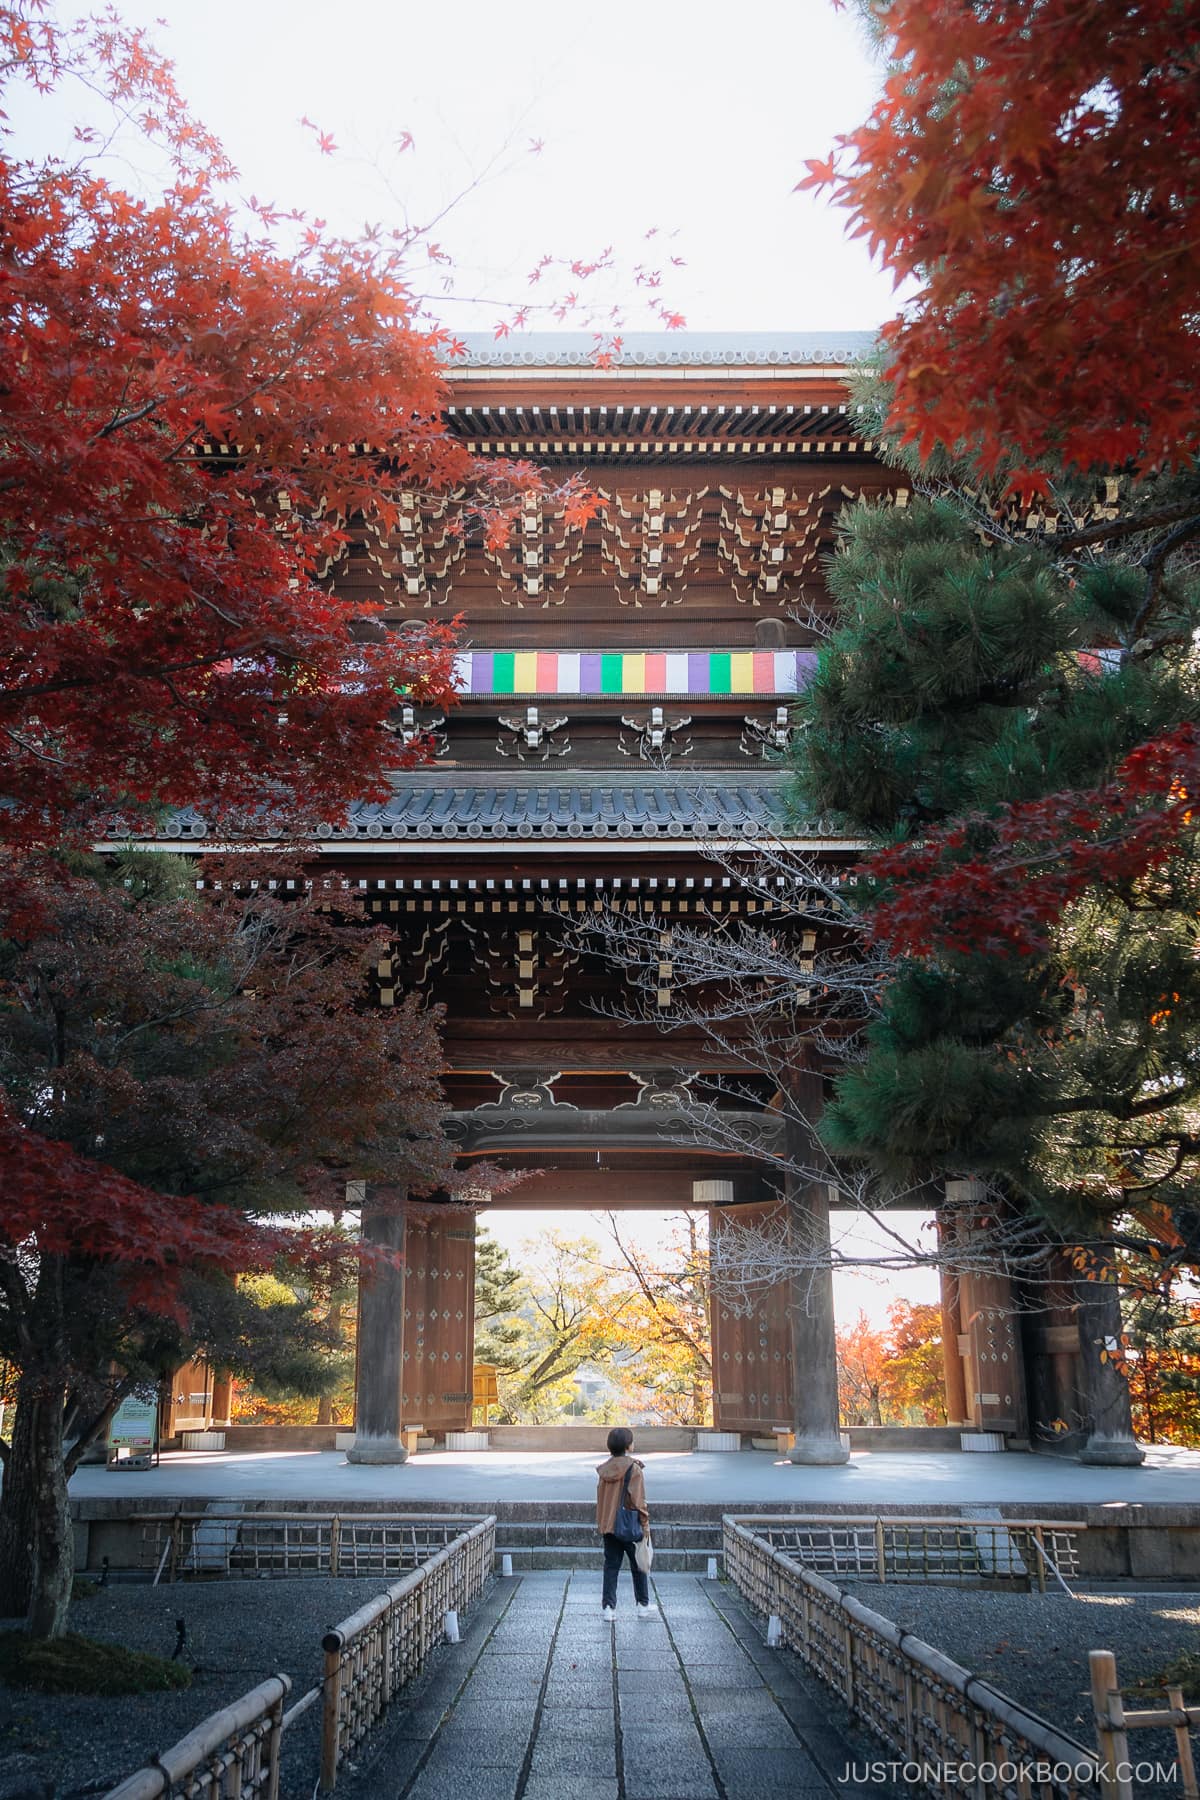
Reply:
x=195, y=410
x=1033, y=168
x=187, y=1081
x=1039, y=183
x=996, y=884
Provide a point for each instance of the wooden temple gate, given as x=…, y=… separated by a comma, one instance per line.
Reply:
x=624, y=705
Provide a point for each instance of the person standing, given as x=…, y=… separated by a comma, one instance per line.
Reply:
x=621, y=1483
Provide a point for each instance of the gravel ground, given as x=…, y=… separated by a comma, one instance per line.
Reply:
x=1034, y=1647
x=238, y=1632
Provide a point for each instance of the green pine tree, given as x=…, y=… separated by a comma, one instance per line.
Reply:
x=951, y=685
x=499, y=1294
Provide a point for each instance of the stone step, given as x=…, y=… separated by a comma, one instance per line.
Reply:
x=668, y=1534
x=666, y=1562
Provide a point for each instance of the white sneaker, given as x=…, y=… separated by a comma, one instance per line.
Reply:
x=609, y=1613
x=647, y=1612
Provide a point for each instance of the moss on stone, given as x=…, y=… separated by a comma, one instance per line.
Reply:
x=78, y=1665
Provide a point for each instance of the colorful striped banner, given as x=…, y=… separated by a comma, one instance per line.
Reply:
x=621, y=672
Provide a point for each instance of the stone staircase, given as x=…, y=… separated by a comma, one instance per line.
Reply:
x=564, y=1537
x=960, y=1547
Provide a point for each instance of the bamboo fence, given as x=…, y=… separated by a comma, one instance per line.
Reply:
x=1118, y=1766
x=871, y=1547
x=951, y=1731
x=178, y=1545
x=234, y=1752
x=371, y=1655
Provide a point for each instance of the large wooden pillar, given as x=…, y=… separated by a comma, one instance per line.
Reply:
x=751, y=1351
x=815, y=1413
x=1108, y=1416
x=377, y=1403
x=222, y=1397
x=1051, y=1339
x=989, y=1339
x=952, y=1362
x=439, y=1319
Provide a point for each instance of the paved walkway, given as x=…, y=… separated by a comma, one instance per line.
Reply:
x=545, y=1701
x=483, y=1477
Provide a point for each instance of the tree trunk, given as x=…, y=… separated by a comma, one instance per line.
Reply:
x=37, y=1550
x=325, y=1409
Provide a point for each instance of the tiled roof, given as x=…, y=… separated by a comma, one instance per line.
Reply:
x=579, y=805
x=430, y=805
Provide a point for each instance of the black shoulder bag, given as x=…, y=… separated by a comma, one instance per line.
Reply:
x=627, y=1526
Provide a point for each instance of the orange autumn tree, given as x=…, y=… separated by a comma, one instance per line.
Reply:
x=1160, y=1359
x=892, y=1374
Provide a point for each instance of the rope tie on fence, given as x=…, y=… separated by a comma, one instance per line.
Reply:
x=155, y=1761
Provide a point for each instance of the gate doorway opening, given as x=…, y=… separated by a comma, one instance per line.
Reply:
x=888, y=1320
x=604, y=1317
x=596, y=1318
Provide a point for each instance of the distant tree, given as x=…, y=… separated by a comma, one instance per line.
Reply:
x=889, y=1373
x=662, y=1306
x=1161, y=1362
x=500, y=1293
x=860, y=1372
x=315, y=1385
x=571, y=1316
x=913, y=1381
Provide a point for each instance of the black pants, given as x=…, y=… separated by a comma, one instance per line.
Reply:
x=614, y=1550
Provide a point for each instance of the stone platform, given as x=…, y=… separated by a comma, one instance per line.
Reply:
x=481, y=1479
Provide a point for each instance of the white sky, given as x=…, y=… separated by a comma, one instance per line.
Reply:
x=854, y=1233
x=694, y=119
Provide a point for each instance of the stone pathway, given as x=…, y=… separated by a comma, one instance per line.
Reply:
x=544, y=1701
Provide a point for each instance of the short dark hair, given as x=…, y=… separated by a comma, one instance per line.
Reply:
x=619, y=1440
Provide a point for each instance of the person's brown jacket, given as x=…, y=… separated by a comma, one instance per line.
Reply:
x=608, y=1491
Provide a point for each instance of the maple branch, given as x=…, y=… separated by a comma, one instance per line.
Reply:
x=88, y=1433
x=122, y=424
x=15, y=737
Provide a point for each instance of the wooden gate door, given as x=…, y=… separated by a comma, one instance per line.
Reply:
x=439, y=1319
x=752, y=1352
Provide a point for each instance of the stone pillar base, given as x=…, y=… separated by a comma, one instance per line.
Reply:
x=813, y=1450
x=372, y=1450
x=1113, y=1453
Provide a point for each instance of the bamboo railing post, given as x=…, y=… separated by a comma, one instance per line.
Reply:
x=335, y=1543
x=880, y=1551
x=1110, y=1723
x=385, y=1640
x=1183, y=1745
x=176, y=1546
x=1040, y=1557
x=274, y=1747
x=331, y=1711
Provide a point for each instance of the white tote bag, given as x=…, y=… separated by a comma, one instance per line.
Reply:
x=643, y=1553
